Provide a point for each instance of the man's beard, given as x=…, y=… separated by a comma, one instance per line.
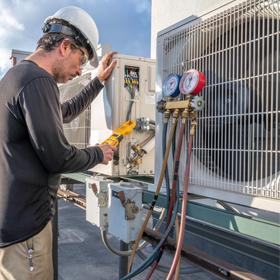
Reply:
x=58, y=73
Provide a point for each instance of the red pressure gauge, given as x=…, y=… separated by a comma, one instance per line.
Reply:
x=192, y=82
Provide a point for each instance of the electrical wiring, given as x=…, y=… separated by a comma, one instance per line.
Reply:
x=114, y=250
x=183, y=213
x=131, y=90
x=162, y=173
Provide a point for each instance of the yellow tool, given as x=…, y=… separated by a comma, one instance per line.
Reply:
x=118, y=134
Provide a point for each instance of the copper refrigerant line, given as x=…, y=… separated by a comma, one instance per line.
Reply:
x=178, y=110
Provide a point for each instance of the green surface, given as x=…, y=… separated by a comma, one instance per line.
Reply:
x=250, y=226
x=257, y=228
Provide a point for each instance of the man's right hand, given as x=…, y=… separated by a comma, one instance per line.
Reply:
x=108, y=152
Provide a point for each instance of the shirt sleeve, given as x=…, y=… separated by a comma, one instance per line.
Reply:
x=76, y=105
x=39, y=102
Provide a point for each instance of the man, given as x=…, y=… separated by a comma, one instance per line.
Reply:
x=33, y=148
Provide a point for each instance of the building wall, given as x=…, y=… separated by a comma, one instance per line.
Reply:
x=168, y=12
x=17, y=56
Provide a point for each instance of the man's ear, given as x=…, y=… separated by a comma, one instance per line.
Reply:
x=65, y=48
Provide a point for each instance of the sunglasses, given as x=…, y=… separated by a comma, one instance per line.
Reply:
x=84, y=57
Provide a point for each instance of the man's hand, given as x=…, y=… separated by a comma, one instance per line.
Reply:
x=106, y=66
x=108, y=152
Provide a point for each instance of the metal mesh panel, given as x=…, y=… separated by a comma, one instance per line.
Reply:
x=77, y=131
x=236, y=147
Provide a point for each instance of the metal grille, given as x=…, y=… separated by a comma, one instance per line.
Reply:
x=237, y=143
x=77, y=131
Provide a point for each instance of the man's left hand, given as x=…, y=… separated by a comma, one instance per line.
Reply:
x=106, y=66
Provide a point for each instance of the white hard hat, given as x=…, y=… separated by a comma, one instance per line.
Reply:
x=79, y=24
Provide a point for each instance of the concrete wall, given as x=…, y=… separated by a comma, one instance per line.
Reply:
x=168, y=12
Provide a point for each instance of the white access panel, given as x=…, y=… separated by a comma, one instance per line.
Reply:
x=97, y=201
x=118, y=224
x=109, y=110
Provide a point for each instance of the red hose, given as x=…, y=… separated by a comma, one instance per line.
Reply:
x=183, y=214
x=176, y=171
x=174, y=185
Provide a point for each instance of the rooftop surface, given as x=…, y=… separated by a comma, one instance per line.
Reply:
x=82, y=255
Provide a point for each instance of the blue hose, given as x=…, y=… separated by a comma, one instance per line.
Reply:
x=154, y=255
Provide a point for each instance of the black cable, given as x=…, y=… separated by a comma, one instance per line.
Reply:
x=154, y=255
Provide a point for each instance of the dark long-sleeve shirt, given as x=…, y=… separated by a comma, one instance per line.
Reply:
x=33, y=148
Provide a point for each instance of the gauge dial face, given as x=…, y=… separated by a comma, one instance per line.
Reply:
x=192, y=82
x=171, y=86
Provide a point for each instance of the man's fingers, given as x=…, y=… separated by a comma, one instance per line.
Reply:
x=110, y=68
x=114, y=148
x=111, y=54
x=108, y=57
x=112, y=65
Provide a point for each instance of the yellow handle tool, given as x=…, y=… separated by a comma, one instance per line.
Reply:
x=118, y=134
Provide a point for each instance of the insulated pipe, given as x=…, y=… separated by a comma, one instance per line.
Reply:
x=149, y=145
x=183, y=213
x=150, y=211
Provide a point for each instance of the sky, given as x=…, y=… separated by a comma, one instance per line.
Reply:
x=123, y=24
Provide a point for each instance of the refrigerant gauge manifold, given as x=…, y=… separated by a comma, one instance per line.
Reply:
x=171, y=86
x=197, y=103
x=192, y=82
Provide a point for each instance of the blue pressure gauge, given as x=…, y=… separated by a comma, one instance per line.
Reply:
x=171, y=86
